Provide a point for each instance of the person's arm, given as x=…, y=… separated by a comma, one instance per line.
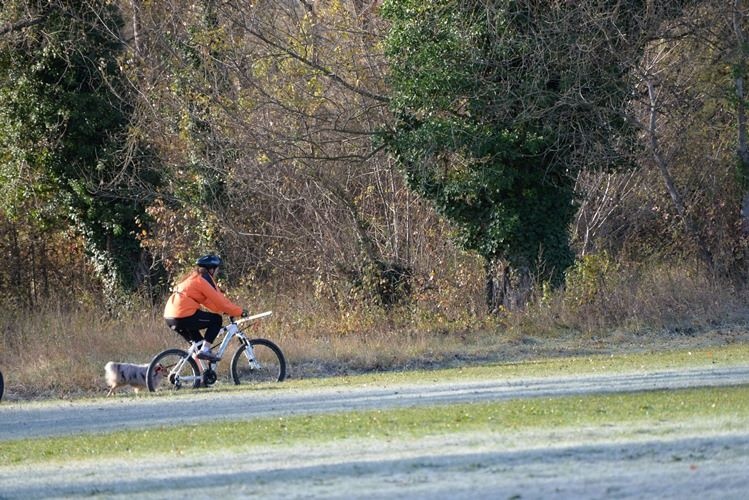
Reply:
x=217, y=301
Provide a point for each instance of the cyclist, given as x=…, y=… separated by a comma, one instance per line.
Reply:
x=183, y=312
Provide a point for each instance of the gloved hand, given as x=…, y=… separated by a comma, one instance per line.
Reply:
x=245, y=313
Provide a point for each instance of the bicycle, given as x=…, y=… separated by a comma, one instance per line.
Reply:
x=255, y=360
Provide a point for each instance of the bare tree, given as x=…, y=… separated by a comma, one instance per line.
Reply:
x=272, y=111
x=665, y=170
x=681, y=105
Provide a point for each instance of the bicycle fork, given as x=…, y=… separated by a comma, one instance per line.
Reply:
x=249, y=353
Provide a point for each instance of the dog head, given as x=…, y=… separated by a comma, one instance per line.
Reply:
x=158, y=371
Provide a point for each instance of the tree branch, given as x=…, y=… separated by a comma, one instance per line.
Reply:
x=325, y=71
x=11, y=27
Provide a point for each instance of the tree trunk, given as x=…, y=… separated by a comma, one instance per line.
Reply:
x=496, y=284
x=135, y=5
x=743, y=149
x=507, y=288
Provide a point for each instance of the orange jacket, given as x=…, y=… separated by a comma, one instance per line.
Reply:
x=196, y=291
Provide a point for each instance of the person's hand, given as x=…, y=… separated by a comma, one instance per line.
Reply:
x=245, y=313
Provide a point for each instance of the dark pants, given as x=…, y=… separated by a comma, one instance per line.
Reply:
x=190, y=326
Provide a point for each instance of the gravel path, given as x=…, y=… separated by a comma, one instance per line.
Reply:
x=668, y=461
x=19, y=420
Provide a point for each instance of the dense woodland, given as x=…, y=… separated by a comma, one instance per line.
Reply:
x=366, y=151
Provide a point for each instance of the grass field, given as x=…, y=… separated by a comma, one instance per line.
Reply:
x=725, y=407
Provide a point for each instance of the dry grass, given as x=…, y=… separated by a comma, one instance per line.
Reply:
x=61, y=351
x=657, y=299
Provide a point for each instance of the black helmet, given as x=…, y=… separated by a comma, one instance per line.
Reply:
x=208, y=261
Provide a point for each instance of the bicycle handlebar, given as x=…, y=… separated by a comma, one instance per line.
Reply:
x=251, y=318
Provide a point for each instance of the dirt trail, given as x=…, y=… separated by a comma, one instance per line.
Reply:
x=707, y=459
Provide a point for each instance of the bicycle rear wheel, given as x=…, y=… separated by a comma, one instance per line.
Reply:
x=263, y=362
x=172, y=370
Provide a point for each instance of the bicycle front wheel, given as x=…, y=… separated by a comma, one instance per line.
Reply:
x=259, y=361
x=172, y=370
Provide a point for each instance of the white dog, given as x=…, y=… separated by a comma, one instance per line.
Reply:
x=122, y=374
